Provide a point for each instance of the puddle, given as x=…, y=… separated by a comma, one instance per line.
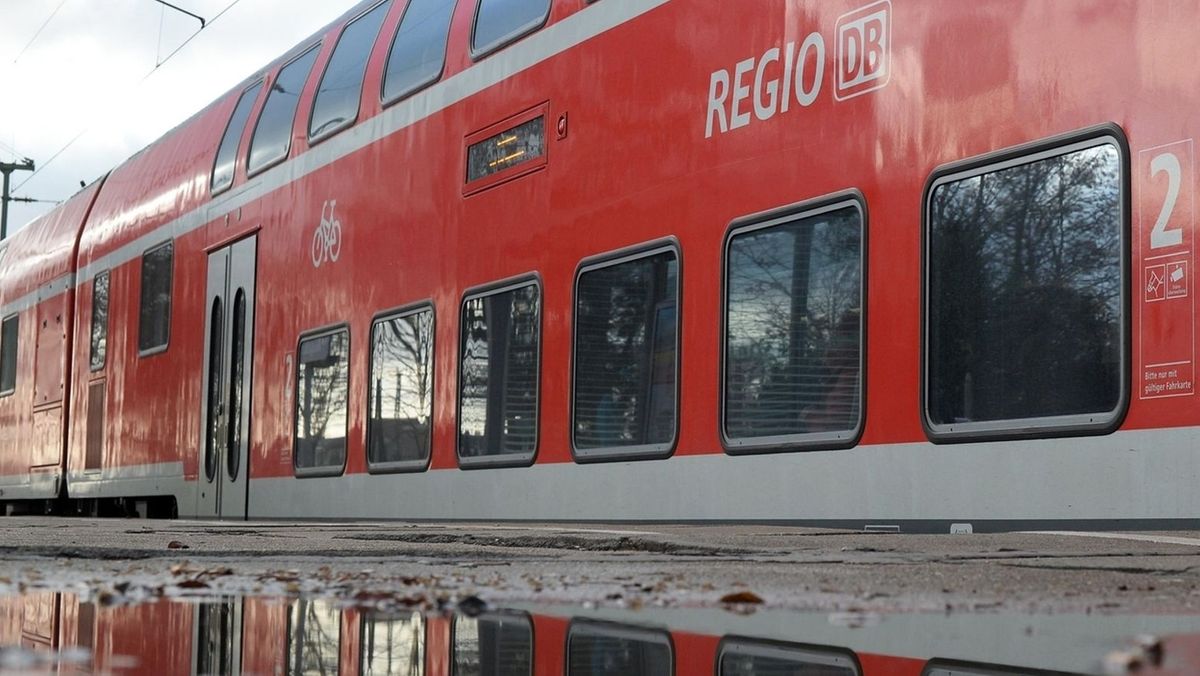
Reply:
x=97, y=633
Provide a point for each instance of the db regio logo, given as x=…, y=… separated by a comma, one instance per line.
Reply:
x=863, y=39
x=791, y=74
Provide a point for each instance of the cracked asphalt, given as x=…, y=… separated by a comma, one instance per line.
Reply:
x=682, y=565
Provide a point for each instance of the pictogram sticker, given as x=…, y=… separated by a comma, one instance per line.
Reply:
x=1165, y=248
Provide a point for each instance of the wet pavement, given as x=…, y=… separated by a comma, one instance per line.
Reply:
x=113, y=596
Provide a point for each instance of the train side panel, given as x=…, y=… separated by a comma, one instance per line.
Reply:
x=37, y=292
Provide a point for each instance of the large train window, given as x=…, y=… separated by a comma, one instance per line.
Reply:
x=602, y=649
x=626, y=364
x=1026, y=311
x=99, y=346
x=400, y=393
x=154, y=314
x=743, y=657
x=322, y=394
x=222, y=173
x=9, y=327
x=498, y=375
x=500, y=22
x=793, y=317
x=273, y=134
x=418, y=51
x=336, y=104
x=495, y=643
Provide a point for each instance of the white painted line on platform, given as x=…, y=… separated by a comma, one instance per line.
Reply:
x=550, y=530
x=1158, y=539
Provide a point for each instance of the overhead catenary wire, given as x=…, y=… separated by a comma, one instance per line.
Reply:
x=152, y=71
x=39, y=31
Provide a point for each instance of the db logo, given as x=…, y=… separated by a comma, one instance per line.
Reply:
x=863, y=41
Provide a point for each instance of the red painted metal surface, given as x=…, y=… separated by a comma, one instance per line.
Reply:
x=966, y=79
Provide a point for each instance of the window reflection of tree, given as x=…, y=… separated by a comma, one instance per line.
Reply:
x=99, y=343
x=393, y=646
x=314, y=638
x=794, y=318
x=1025, y=295
x=323, y=399
x=401, y=396
x=625, y=351
x=498, y=402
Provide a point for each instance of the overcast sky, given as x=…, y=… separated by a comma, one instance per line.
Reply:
x=86, y=72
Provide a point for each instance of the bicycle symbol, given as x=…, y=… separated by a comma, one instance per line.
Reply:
x=327, y=238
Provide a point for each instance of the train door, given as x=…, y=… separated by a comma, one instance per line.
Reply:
x=225, y=408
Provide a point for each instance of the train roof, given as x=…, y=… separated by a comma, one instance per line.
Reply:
x=43, y=252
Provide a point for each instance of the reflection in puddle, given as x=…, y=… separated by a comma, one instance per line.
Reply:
x=392, y=644
x=49, y=632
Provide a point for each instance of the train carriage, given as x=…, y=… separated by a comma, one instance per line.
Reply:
x=915, y=266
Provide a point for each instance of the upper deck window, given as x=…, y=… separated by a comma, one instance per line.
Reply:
x=8, y=354
x=1025, y=293
x=499, y=22
x=222, y=176
x=336, y=104
x=154, y=315
x=419, y=48
x=273, y=134
x=626, y=355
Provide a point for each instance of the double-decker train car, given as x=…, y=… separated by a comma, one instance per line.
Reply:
x=908, y=265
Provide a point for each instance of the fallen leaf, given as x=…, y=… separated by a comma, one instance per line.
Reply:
x=741, y=597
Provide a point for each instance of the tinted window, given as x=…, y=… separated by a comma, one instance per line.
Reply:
x=99, y=351
x=625, y=352
x=753, y=659
x=499, y=21
x=273, y=135
x=336, y=103
x=400, y=400
x=1024, y=291
x=222, y=176
x=321, y=401
x=617, y=651
x=314, y=637
x=392, y=644
x=154, y=316
x=793, y=324
x=493, y=645
x=419, y=48
x=8, y=354
x=499, y=363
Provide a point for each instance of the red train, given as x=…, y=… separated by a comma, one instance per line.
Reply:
x=916, y=266
x=60, y=633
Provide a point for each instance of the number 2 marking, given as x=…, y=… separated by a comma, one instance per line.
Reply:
x=1160, y=236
